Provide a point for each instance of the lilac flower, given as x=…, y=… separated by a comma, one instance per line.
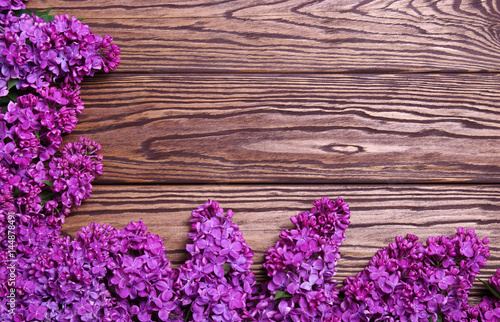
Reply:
x=302, y=266
x=443, y=280
x=36, y=312
x=38, y=52
x=388, y=284
x=68, y=277
x=6, y=151
x=216, y=281
x=11, y=5
x=409, y=282
x=489, y=308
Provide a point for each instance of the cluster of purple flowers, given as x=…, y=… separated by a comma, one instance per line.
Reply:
x=489, y=308
x=34, y=180
x=104, y=274
x=302, y=266
x=107, y=274
x=408, y=281
x=216, y=281
x=37, y=53
x=7, y=5
x=42, y=63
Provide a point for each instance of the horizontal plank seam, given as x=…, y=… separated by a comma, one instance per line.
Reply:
x=292, y=72
x=383, y=184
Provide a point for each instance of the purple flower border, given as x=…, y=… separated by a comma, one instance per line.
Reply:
x=108, y=274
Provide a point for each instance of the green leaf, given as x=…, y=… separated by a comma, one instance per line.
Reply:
x=11, y=83
x=227, y=268
x=4, y=101
x=45, y=195
x=46, y=12
x=45, y=15
x=16, y=192
x=281, y=294
x=48, y=183
x=13, y=94
x=491, y=289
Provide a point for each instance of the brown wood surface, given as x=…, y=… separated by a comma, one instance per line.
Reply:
x=297, y=35
x=295, y=128
x=392, y=105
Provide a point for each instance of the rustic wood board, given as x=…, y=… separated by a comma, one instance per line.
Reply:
x=378, y=214
x=295, y=128
x=297, y=36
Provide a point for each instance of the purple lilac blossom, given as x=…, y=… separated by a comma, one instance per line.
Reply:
x=36, y=212
x=216, y=282
x=302, y=267
x=408, y=281
x=104, y=274
x=39, y=53
x=39, y=181
x=12, y=5
x=32, y=187
x=489, y=308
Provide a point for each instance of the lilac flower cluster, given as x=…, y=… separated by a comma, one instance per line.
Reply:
x=6, y=5
x=216, y=281
x=104, y=274
x=38, y=53
x=489, y=308
x=408, y=281
x=302, y=266
x=38, y=195
x=46, y=61
x=40, y=181
x=123, y=275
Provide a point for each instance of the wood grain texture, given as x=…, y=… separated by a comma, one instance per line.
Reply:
x=297, y=36
x=378, y=214
x=295, y=128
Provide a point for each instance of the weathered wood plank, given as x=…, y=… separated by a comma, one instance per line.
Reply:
x=295, y=128
x=378, y=214
x=247, y=8
x=298, y=35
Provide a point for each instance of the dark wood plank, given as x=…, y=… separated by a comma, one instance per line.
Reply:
x=297, y=35
x=295, y=128
x=378, y=214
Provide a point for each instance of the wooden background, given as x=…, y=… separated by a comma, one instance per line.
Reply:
x=266, y=106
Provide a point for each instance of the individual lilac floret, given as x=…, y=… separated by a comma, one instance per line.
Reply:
x=409, y=282
x=216, y=282
x=302, y=266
